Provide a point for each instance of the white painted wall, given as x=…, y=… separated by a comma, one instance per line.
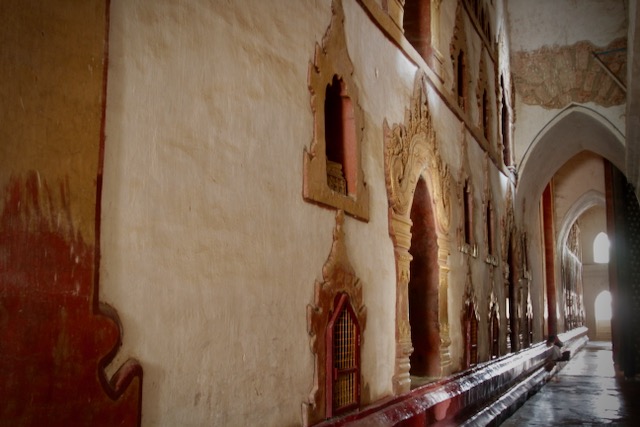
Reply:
x=564, y=22
x=209, y=252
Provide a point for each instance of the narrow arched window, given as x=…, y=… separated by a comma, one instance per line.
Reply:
x=467, y=202
x=601, y=248
x=485, y=114
x=603, y=314
x=470, y=336
x=489, y=228
x=417, y=25
x=602, y=306
x=494, y=333
x=340, y=137
x=506, y=145
x=460, y=76
x=343, y=358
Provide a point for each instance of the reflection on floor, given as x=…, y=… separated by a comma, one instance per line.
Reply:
x=584, y=392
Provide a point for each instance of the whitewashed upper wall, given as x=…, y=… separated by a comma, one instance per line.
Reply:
x=540, y=23
x=208, y=249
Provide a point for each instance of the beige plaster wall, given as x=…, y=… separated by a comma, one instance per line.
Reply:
x=51, y=106
x=209, y=251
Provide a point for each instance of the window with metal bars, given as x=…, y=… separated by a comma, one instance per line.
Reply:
x=471, y=336
x=495, y=334
x=343, y=359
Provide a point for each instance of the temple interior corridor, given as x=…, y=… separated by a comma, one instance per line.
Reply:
x=585, y=392
x=316, y=213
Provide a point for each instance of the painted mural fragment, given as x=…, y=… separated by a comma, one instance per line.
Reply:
x=55, y=336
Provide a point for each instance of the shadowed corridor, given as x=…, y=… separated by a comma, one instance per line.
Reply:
x=585, y=391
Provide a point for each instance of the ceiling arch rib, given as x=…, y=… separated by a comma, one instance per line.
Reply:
x=572, y=131
x=588, y=200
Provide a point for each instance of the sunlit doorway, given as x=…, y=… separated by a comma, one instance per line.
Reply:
x=603, y=314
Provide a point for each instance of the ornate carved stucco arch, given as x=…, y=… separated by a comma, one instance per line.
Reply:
x=411, y=151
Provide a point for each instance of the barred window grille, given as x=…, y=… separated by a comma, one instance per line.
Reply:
x=471, y=335
x=474, y=338
x=343, y=363
x=495, y=335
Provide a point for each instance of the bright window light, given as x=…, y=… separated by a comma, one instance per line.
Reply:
x=601, y=249
x=603, y=306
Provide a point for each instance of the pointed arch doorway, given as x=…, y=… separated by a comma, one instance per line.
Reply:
x=411, y=154
x=423, y=287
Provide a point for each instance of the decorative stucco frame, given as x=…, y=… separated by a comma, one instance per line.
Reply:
x=459, y=44
x=465, y=190
x=469, y=308
x=332, y=59
x=411, y=151
x=483, y=85
x=338, y=276
x=493, y=310
x=489, y=218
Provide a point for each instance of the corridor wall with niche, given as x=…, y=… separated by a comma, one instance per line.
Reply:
x=423, y=286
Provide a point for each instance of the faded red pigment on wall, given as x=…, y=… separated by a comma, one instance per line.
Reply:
x=55, y=337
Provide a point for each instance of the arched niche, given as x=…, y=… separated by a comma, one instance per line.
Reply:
x=575, y=129
x=423, y=286
x=411, y=151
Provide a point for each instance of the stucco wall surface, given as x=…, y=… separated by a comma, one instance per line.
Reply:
x=565, y=22
x=51, y=99
x=209, y=251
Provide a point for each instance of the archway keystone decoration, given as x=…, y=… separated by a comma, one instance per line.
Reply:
x=410, y=152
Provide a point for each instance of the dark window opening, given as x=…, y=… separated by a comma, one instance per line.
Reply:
x=460, y=76
x=417, y=25
x=494, y=334
x=423, y=286
x=489, y=229
x=340, y=137
x=471, y=336
x=485, y=114
x=467, y=202
x=506, y=147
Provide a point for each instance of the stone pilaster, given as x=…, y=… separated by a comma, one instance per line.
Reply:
x=401, y=226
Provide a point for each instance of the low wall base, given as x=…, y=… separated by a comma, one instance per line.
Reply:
x=482, y=396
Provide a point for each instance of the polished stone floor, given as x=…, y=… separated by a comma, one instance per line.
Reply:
x=585, y=392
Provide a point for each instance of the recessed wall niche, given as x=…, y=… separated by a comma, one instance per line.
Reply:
x=333, y=175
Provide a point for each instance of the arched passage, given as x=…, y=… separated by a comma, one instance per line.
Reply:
x=411, y=154
x=575, y=130
x=579, y=129
x=603, y=314
x=423, y=286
